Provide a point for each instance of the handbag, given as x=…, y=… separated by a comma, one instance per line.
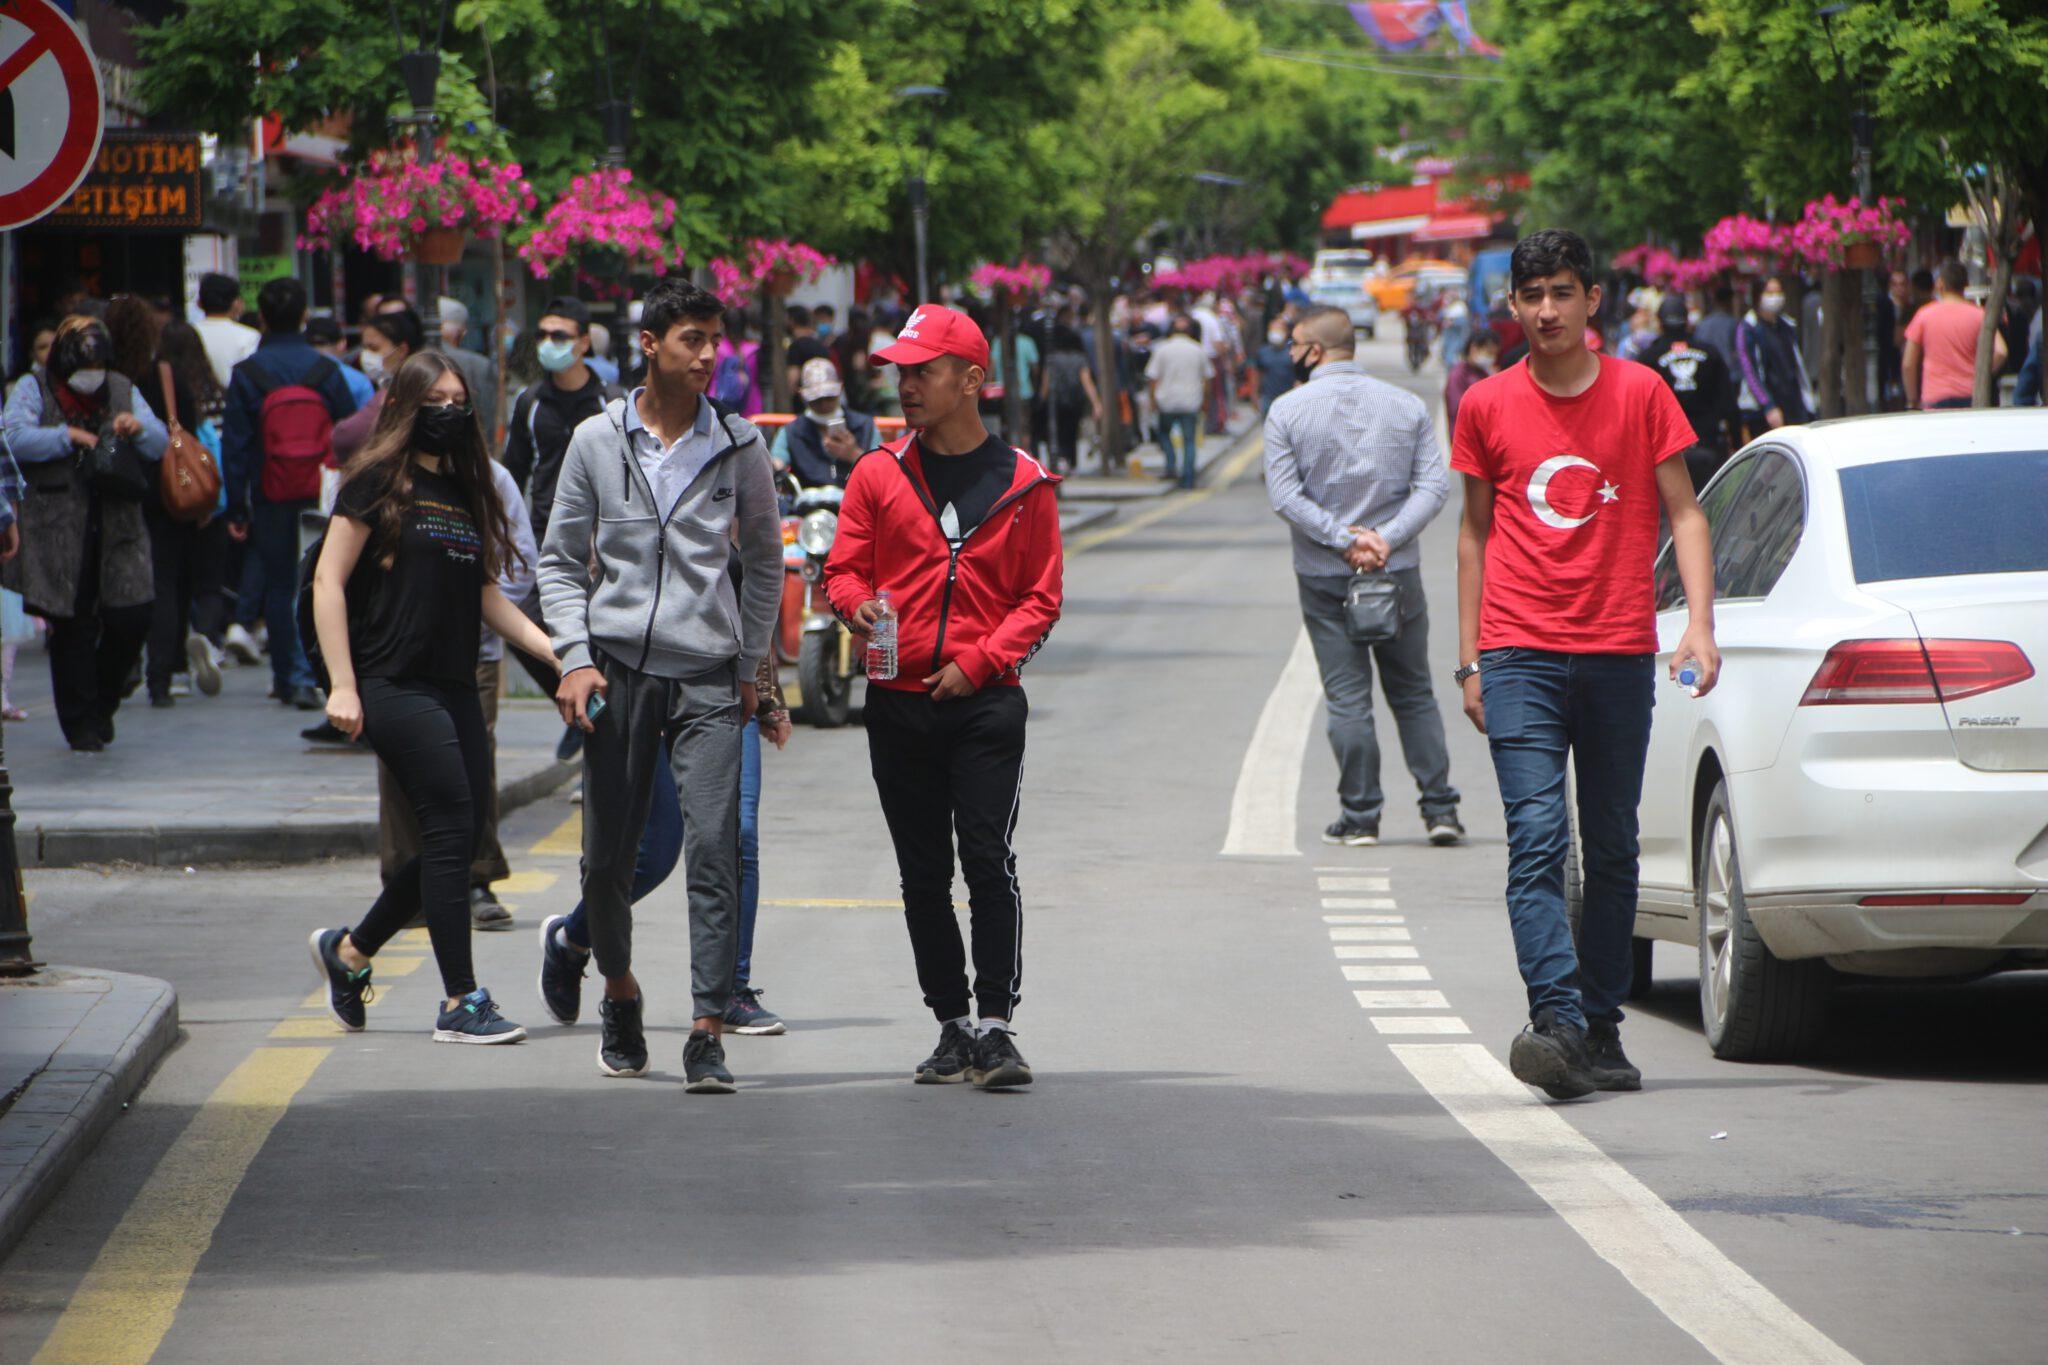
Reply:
x=189, y=482
x=115, y=469
x=1372, y=608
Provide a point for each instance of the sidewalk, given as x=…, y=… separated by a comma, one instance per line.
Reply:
x=1088, y=486
x=220, y=779
x=75, y=1047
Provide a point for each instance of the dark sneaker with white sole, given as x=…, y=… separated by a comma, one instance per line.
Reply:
x=475, y=1019
x=1444, y=830
x=486, y=911
x=622, y=1050
x=704, y=1065
x=1551, y=1055
x=347, y=991
x=997, y=1063
x=747, y=1015
x=561, y=973
x=950, y=1061
x=1352, y=834
x=1612, y=1070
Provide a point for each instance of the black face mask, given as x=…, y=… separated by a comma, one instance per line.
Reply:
x=442, y=430
x=1303, y=367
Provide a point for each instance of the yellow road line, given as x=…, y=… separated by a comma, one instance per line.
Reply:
x=1173, y=503
x=306, y=1026
x=127, y=1300
x=567, y=839
x=522, y=883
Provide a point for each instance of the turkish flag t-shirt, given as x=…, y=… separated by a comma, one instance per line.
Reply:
x=1575, y=508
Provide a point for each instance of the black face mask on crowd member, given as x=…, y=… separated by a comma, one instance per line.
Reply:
x=1304, y=365
x=440, y=430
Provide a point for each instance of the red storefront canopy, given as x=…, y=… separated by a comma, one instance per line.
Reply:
x=1455, y=227
x=1368, y=214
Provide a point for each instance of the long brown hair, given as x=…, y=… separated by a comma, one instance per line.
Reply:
x=132, y=327
x=388, y=458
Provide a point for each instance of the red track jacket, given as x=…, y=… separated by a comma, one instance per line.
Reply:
x=986, y=603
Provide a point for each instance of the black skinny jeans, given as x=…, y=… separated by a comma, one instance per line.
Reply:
x=431, y=736
x=191, y=564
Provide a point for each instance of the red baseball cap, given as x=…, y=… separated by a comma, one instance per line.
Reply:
x=933, y=330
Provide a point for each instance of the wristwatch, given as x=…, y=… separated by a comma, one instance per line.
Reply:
x=1465, y=671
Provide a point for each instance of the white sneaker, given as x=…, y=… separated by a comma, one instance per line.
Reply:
x=204, y=666
x=240, y=646
x=181, y=684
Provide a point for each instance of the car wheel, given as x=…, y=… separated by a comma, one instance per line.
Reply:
x=1756, y=1006
x=1575, y=906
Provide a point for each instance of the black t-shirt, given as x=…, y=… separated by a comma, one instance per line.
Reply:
x=1700, y=382
x=423, y=616
x=965, y=487
x=806, y=348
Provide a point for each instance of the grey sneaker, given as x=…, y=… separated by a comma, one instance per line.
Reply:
x=1352, y=834
x=622, y=1046
x=204, y=667
x=747, y=1015
x=475, y=1019
x=347, y=991
x=485, y=910
x=704, y=1065
x=1444, y=830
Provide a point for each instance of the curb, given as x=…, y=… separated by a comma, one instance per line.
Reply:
x=68, y=1106
x=296, y=840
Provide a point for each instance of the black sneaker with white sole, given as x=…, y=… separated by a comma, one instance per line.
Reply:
x=746, y=1014
x=997, y=1063
x=561, y=973
x=1444, y=830
x=950, y=1061
x=704, y=1070
x=1612, y=1070
x=475, y=1019
x=1352, y=834
x=347, y=991
x=1551, y=1055
x=622, y=1050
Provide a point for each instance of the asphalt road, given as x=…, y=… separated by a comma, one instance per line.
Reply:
x=1225, y=1157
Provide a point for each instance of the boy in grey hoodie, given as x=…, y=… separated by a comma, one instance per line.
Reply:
x=636, y=585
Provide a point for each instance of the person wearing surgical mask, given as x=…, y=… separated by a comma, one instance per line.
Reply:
x=93, y=589
x=820, y=448
x=1273, y=364
x=1771, y=378
x=389, y=340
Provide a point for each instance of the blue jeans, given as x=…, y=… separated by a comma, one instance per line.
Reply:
x=1541, y=705
x=661, y=847
x=274, y=539
x=1189, y=427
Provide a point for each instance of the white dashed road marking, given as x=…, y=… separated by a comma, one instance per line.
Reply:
x=1388, y=972
x=1365, y=919
x=1402, y=1000
x=1379, y=950
x=1345, y=933
x=1358, y=902
x=1355, y=883
x=1419, y=1023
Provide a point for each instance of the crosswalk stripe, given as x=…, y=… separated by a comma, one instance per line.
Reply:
x=1419, y=1023
x=1379, y=950
x=1402, y=1000
x=1387, y=972
x=1368, y=934
x=1358, y=903
x=1355, y=883
x=1365, y=919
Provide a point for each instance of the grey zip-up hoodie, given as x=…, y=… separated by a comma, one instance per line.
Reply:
x=661, y=599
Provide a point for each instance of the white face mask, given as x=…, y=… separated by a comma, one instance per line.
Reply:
x=87, y=381
x=822, y=416
x=1771, y=304
x=1277, y=337
x=373, y=364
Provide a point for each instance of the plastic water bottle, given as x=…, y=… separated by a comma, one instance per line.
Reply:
x=882, y=641
x=1689, y=673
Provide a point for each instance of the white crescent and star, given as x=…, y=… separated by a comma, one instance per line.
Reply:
x=1539, y=491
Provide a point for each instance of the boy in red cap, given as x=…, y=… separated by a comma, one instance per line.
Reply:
x=963, y=533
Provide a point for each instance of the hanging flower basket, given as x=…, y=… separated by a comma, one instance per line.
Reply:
x=1011, y=281
x=606, y=227
x=1750, y=246
x=1861, y=255
x=1850, y=235
x=394, y=206
x=777, y=266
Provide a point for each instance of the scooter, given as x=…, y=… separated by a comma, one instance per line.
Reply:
x=828, y=656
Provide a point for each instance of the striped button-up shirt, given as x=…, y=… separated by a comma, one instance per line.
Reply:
x=1347, y=450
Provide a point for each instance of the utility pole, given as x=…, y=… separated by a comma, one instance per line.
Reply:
x=920, y=203
x=421, y=69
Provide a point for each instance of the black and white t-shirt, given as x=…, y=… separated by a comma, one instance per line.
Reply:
x=965, y=487
x=422, y=617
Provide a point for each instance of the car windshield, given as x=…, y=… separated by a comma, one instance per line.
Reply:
x=1942, y=515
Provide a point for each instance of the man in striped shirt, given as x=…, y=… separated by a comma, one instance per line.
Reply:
x=1352, y=467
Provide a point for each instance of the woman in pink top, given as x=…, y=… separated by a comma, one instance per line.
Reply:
x=1940, y=364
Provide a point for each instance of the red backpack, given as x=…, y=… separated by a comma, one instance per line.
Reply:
x=297, y=432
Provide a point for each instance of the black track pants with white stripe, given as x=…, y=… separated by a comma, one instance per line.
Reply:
x=943, y=767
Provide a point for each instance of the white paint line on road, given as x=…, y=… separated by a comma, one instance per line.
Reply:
x=1262, y=809
x=1379, y=950
x=1360, y=868
x=1419, y=1023
x=1365, y=919
x=1687, y=1277
x=1402, y=1000
x=1355, y=883
x=1368, y=934
x=1358, y=903
x=1385, y=972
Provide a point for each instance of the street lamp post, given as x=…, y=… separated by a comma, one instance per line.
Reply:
x=920, y=204
x=421, y=70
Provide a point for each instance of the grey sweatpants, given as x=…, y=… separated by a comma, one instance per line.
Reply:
x=694, y=724
x=1347, y=670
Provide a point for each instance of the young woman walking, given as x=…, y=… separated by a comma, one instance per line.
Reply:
x=405, y=583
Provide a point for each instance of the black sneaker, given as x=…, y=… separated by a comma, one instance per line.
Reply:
x=704, y=1065
x=1551, y=1055
x=486, y=911
x=950, y=1061
x=997, y=1063
x=475, y=1019
x=1612, y=1069
x=746, y=1014
x=1352, y=834
x=326, y=732
x=570, y=745
x=309, y=699
x=1444, y=830
x=622, y=1050
x=561, y=973
x=347, y=991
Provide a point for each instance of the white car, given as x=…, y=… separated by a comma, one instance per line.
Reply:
x=1866, y=791
x=1353, y=297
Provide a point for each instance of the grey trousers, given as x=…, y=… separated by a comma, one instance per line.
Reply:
x=1347, y=670
x=694, y=725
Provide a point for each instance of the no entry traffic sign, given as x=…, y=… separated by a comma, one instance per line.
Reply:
x=50, y=110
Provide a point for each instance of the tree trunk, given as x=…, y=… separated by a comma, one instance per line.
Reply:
x=1854, y=359
x=1109, y=382
x=773, y=325
x=1006, y=328
x=1986, y=395
x=1830, y=367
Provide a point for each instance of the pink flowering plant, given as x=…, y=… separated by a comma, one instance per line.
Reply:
x=1653, y=263
x=766, y=259
x=603, y=223
x=385, y=206
x=1229, y=274
x=1830, y=227
x=1750, y=245
x=1018, y=281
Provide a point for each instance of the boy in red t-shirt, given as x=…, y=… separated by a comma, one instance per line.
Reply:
x=1567, y=457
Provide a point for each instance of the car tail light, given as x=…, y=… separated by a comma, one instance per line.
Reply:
x=1953, y=898
x=1892, y=672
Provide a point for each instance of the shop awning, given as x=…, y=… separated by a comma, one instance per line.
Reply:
x=1455, y=227
x=1380, y=213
